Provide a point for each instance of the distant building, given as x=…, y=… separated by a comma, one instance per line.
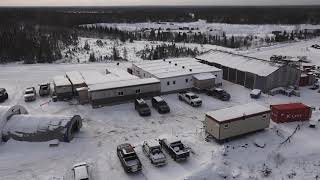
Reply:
x=178, y=74
x=250, y=72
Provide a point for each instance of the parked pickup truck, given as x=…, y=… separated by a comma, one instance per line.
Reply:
x=160, y=105
x=128, y=158
x=3, y=94
x=44, y=89
x=153, y=151
x=175, y=149
x=219, y=94
x=30, y=94
x=142, y=107
x=190, y=98
x=80, y=171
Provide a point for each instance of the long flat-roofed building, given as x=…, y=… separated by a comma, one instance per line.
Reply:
x=176, y=74
x=250, y=72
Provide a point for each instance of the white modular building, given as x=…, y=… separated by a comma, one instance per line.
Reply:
x=237, y=120
x=115, y=92
x=177, y=74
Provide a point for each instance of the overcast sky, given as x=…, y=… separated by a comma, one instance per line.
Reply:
x=152, y=2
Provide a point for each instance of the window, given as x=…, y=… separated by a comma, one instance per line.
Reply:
x=168, y=83
x=187, y=80
x=120, y=93
x=138, y=91
x=174, y=82
x=144, y=74
x=226, y=126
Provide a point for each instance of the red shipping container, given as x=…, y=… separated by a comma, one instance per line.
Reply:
x=290, y=112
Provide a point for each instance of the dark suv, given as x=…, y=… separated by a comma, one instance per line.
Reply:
x=160, y=105
x=219, y=94
x=3, y=95
x=142, y=107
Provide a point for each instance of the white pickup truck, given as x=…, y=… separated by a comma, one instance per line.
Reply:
x=190, y=98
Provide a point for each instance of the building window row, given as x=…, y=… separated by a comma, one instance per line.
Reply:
x=121, y=93
x=174, y=82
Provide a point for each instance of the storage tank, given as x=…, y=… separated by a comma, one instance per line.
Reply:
x=290, y=112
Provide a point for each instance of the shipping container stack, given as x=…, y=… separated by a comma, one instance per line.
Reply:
x=283, y=113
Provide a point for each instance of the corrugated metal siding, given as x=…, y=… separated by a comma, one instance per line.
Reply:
x=232, y=75
x=240, y=78
x=250, y=78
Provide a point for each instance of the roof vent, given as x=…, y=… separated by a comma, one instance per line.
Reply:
x=190, y=70
x=169, y=62
x=182, y=67
x=176, y=64
x=164, y=59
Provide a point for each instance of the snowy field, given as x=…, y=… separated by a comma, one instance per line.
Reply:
x=81, y=55
x=296, y=49
x=107, y=127
x=204, y=27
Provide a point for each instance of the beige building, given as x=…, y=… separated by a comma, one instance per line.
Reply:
x=238, y=120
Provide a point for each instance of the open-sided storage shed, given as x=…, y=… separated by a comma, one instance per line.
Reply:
x=76, y=80
x=238, y=120
x=62, y=87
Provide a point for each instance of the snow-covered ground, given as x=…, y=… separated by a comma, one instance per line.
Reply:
x=204, y=27
x=105, y=128
x=302, y=48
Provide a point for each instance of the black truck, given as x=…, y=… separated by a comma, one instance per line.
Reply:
x=142, y=107
x=160, y=105
x=128, y=158
x=175, y=149
x=219, y=94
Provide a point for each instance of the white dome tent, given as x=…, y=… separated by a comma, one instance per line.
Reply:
x=6, y=112
x=17, y=124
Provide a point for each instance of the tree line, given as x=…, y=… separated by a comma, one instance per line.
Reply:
x=33, y=44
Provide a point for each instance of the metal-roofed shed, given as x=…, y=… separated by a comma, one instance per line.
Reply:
x=251, y=72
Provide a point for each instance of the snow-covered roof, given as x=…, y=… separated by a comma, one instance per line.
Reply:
x=122, y=84
x=61, y=81
x=242, y=63
x=158, y=98
x=95, y=77
x=255, y=92
x=75, y=77
x=237, y=112
x=24, y=124
x=175, y=67
x=204, y=76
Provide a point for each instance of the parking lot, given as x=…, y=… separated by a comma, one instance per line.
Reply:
x=106, y=127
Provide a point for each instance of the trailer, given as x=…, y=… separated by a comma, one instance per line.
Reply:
x=235, y=121
x=282, y=113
